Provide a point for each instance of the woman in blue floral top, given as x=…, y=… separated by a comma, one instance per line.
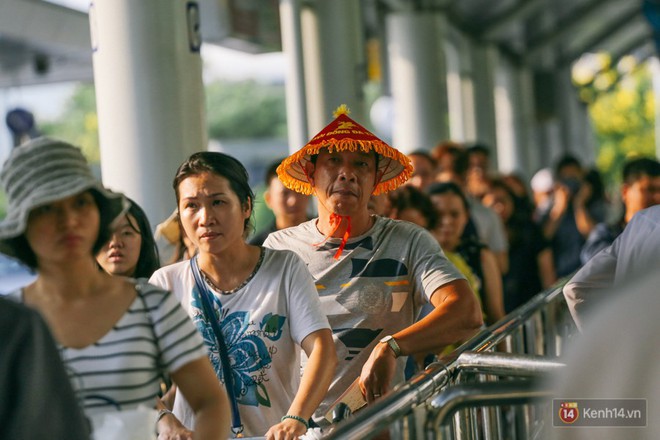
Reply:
x=264, y=300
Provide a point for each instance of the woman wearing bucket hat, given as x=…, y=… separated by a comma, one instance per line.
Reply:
x=116, y=336
x=372, y=273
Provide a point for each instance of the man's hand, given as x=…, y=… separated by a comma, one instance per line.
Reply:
x=378, y=372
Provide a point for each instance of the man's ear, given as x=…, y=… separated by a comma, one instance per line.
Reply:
x=624, y=191
x=267, y=198
x=309, y=171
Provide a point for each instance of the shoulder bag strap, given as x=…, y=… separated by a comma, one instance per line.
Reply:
x=205, y=297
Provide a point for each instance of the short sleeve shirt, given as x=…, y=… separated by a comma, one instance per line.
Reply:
x=376, y=288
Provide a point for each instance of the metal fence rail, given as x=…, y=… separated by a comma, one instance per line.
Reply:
x=532, y=336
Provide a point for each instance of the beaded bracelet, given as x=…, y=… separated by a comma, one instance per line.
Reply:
x=298, y=418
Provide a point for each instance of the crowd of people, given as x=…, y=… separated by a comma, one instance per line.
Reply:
x=261, y=334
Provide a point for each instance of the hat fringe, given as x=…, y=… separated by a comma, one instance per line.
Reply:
x=352, y=145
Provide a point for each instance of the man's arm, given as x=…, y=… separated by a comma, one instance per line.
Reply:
x=456, y=317
x=594, y=277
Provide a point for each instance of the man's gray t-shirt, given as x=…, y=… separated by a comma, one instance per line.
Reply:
x=375, y=289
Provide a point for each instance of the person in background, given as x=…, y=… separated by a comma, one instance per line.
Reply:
x=413, y=205
x=640, y=189
x=379, y=205
x=424, y=169
x=572, y=215
x=446, y=154
x=478, y=171
x=264, y=305
x=131, y=251
x=36, y=398
x=289, y=207
x=542, y=185
x=531, y=266
x=171, y=241
x=453, y=214
x=373, y=274
x=116, y=335
x=483, y=221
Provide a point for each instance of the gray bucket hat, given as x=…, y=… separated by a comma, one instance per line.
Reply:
x=45, y=170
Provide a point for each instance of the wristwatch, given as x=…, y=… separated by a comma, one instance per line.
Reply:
x=389, y=340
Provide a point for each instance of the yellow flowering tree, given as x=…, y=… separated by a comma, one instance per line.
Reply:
x=622, y=109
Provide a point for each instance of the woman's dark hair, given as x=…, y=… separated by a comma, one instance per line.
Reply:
x=409, y=197
x=439, y=188
x=149, y=260
x=20, y=248
x=222, y=165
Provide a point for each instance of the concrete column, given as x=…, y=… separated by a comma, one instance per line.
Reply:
x=292, y=45
x=418, y=79
x=149, y=95
x=577, y=133
x=505, y=118
x=455, y=101
x=485, y=62
x=529, y=146
x=334, y=59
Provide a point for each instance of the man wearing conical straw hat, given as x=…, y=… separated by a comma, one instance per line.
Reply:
x=373, y=274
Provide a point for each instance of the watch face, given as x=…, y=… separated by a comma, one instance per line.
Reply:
x=386, y=338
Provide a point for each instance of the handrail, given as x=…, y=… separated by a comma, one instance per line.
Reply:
x=429, y=382
x=417, y=390
x=508, y=392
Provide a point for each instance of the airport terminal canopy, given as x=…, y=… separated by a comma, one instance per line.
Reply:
x=42, y=41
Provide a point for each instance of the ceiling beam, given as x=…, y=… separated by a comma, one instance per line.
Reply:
x=607, y=31
x=521, y=10
x=566, y=27
x=42, y=24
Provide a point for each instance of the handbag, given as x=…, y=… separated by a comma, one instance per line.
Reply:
x=205, y=297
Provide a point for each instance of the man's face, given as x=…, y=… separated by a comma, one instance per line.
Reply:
x=641, y=194
x=479, y=161
x=423, y=172
x=343, y=181
x=285, y=203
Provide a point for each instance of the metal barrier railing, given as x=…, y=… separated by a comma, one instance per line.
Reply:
x=531, y=337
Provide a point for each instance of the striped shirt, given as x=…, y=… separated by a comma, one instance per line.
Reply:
x=125, y=367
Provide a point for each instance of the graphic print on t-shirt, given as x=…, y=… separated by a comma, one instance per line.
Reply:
x=356, y=339
x=380, y=292
x=249, y=356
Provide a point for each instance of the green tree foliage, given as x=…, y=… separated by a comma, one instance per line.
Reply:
x=245, y=109
x=622, y=109
x=78, y=123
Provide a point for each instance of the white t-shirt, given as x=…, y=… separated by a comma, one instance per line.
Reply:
x=263, y=324
x=375, y=289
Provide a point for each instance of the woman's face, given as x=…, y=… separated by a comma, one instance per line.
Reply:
x=211, y=214
x=121, y=254
x=452, y=218
x=63, y=231
x=501, y=202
